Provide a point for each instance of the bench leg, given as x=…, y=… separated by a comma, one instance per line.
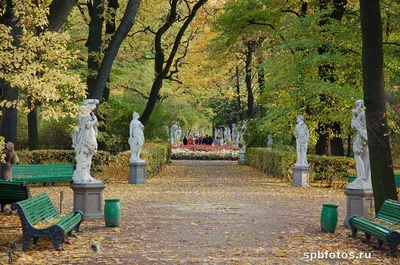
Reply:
x=393, y=241
x=367, y=238
x=3, y=208
x=25, y=243
x=57, y=242
x=379, y=245
x=35, y=240
x=353, y=232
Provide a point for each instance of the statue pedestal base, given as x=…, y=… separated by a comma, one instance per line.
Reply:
x=88, y=199
x=137, y=172
x=242, y=157
x=300, y=176
x=359, y=202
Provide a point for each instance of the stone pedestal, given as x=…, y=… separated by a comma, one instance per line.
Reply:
x=88, y=198
x=300, y=176
x=242, y=157
x=137, y=172
x=359, y=202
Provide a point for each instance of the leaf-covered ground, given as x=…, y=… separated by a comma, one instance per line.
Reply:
x=204, y=212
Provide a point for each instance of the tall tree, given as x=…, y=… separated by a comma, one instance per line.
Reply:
x=374, y=96
x=58, y=13
x=164, y=61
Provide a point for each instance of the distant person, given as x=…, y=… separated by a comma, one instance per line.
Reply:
x=185, y=140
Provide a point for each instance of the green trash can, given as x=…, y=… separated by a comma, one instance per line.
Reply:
x=112, y=212
x=329, y=217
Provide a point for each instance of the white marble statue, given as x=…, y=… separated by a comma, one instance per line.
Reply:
x=136, y=138
x=270, y=141
x=179, y=135
x=235, y=135
x=301, y=133
x=174, y=132
x=227, y=135
x=85, y=143
x=242, y=135
x=360, y=149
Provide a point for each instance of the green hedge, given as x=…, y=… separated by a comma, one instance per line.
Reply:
x=155, y=155
x=104, y=165
x=279, y=164
x=100, y=159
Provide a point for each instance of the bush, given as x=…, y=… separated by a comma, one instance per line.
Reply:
x=156, y=156
x=100, y=159
x=279, y=164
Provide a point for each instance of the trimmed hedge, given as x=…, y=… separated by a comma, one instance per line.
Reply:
x=156, y=156
x=279, y=164
x=100, y=159
x=104, y=165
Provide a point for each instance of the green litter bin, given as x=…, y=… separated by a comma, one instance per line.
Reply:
x=112, y=212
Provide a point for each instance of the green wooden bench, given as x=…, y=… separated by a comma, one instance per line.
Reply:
x=12, y=191
x=36, y=212
x=50, y=173
x=385, y=227
x=396, y=179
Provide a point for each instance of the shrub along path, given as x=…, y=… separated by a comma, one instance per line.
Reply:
x=204, y=212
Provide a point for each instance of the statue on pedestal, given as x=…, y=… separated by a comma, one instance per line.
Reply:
x=360, y=149
x=174, y=133
x=242, y=135
x=301, y=133
x=235, y=135
x=136, y=138
x=227, y=135
x=270, y=141
x=84, y=142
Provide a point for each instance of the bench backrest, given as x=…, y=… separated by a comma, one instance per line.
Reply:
x=12, y=191
x=38, y=208
x=33, y=170
x=390, y=211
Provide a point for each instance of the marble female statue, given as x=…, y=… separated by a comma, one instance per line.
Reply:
x=360, y=149
x=227, y=135
x=235, y=135
x=302, y=134
x=174, y=132
x=84, y=142
x=136, y=138
x=270, y=141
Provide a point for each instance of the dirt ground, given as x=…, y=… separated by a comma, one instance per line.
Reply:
x=205, y=212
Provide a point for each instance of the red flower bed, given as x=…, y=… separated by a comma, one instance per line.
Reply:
x=206, y=148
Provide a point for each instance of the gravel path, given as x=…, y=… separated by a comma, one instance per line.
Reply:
x=206, y=212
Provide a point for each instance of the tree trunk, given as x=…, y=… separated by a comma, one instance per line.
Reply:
x=113, y=47
x=110, y=31
x=239, y=107
x=322, y=145
x=8, y=127
x=383, y=183
x=33, y=138
x=94, y=43
x=250, y=96
x=261, y=85
x=336, y=142
x=59, y=11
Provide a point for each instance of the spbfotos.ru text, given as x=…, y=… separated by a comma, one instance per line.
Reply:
x=336, y=255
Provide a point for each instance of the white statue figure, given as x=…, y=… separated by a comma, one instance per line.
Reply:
x=84, y=142
x=242, y=134
x=302, y=134
x=270, y=141
x=179, y=135
x=136, y=138
x=360, y=149
x=174, y=131
x=227, y=135
x=235, y=135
